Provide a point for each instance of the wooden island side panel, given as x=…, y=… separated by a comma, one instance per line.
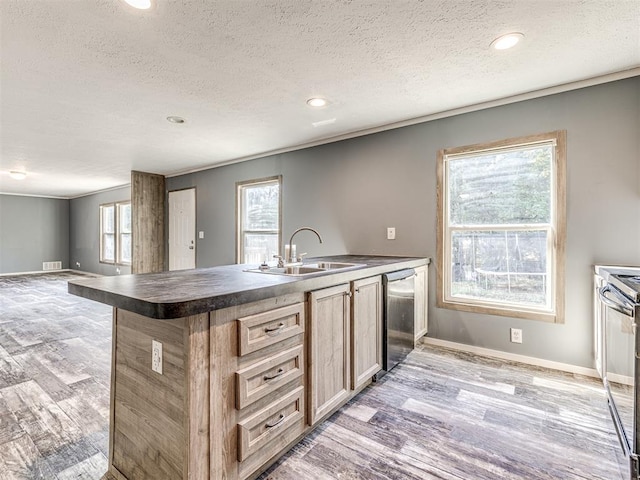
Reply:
x=159, y=422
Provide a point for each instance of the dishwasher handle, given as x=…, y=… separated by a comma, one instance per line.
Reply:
x=399, y=275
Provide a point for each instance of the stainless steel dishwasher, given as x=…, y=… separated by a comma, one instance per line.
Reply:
x=399, y=297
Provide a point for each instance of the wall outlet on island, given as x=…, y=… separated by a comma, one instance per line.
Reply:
x=391, y=233
x=516, y=335
x=156, y=356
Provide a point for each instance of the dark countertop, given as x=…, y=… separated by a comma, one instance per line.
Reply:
x=177, y=294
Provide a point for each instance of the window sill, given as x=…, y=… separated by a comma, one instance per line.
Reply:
x=506, y=311
x=113, y=264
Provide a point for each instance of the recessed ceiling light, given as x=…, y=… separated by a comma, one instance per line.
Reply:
x=317, y=102
x=507, y=41
x=16, y=175
x=139, y=4
x=175, y=119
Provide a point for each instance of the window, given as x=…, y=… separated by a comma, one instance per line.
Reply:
x=501, y=227
x=259, y=225
x=115, y=233
x=124, y=233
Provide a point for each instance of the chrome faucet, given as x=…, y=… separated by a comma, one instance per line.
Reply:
x=292, y=256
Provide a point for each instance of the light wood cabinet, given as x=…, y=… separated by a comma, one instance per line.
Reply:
x=329, y=350
x=366, y=326
x=268, y=328
x=421, y=299
x=270, y=404
x=266, y=376
x=258, y=433
x=257, y=384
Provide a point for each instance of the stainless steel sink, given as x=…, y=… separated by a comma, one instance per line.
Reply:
x=301, y=270
x=335, y=265
x=308, y=269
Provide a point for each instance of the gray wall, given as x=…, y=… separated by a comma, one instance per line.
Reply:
x=33, y=230
x=84, y=245
x=310, y=197
x=352, y=190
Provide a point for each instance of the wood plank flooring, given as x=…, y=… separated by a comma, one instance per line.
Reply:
x=55, y=359
x=449, y=415
x=440, y=415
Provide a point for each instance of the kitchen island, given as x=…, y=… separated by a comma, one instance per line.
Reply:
x=217, y=372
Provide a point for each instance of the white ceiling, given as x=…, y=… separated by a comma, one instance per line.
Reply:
x=86, y=86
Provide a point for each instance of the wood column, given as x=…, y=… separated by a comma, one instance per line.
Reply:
x=147, y=210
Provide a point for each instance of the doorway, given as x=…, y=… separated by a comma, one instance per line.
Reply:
x=182, y=229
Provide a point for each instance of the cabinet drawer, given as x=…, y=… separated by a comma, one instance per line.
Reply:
x=266, y=328
x=262, y=378
x=282, y=420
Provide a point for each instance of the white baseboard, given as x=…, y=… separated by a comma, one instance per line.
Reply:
x=623, y=379
x=514, y=357
x=34, y=272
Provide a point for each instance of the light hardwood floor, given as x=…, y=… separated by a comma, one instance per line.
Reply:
x=55, y=354
x=439, y=415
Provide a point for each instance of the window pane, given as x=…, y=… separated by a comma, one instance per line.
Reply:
x=108, y=247
x=512, y=187
x=259, y=247
x=108, y=219
x=505, y=266
x=261, y=203
x=124, y=217
x=125, y=248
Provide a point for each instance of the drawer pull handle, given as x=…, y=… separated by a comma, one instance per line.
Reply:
x=274, y=329
x=277, y=422
x=279, y=372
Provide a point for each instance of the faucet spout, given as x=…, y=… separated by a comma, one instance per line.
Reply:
x=300, y=230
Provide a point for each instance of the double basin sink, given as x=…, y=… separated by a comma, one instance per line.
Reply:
x=308, y=269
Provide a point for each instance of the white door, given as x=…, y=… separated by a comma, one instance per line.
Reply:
x=182, y=229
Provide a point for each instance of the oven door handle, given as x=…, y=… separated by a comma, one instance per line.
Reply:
x=622, y=305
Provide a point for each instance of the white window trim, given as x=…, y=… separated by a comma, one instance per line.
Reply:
x=117, y=234
x=554, y=310
x=240, y=232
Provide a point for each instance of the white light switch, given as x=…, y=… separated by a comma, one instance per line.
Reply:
x=156, y=356
x=391, y=233
x=200, y=235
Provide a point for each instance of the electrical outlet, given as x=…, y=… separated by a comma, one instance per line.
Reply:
x=516, y=335
x=156, y=356
x=391, y=233
x=78, y=264
x=200, y=235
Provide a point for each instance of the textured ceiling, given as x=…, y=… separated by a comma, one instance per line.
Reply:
x=86, y=86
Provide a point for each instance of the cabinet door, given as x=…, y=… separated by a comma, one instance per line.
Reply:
x=328, y=350
x=366, y=335
x=421, y=310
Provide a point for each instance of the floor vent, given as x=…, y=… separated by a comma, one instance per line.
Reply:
x=51, y=265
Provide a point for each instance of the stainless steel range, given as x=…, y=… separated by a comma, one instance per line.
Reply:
x=617, y=309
